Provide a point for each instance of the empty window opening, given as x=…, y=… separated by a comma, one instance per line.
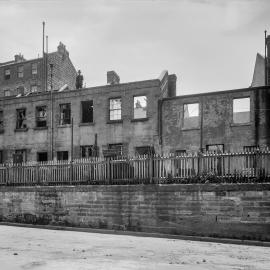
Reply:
x=34, y=68
x=1, y=157
x=21, y=119
x=87, y=111
x=115, y=109
x=241, y=110
x=7, y=74
x=20, y=156
x=191, y=115
x=20, y=72
x=140, y=107
x=215, y=148
x=87, y=151
x=65, y=114
x=33, y=89
x=62, y=155
x=1, y=120
x=42, y=156
x=41, y=116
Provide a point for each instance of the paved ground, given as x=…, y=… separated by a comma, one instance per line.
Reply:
x=30, y=248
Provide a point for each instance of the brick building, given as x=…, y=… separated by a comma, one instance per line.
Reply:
x=21, y=77
x=113, y=119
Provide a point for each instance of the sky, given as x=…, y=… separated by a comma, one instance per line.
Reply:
x=210, y=45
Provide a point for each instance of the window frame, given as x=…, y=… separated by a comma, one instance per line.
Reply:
x=20, y=73
x=199, y=116
x=133, y=108
x=34, y=69
x=241, y=123
x=109, y=116
x=82, y=114
x=40, y=117
x=7, y=91
x=214, y=144
x=23, y=119
x=62, y=121
x=31, y=88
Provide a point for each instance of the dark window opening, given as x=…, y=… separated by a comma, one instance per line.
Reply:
x=1, y=120
x=87, y=111
x=21, y=119
x=62, y=155
x=1, y=157
x=42, y=156
x=41, y=116
x=145, y=150
x=20, y=156
x=65, y=114
x=180, y=152
x=7, y=74
x=215, y=148
x=87, y=151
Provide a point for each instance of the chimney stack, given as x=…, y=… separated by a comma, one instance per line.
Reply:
x=172, y=85
x=112, y=78
x=19, y=58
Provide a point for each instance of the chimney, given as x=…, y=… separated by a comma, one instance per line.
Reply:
x=172, y=85
x=62, y=49
x=112, y=78
x=19, y=58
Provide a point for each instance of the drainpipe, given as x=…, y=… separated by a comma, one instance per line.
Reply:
x=160, y=102
x=201, y=126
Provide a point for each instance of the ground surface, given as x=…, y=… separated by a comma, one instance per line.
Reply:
x=30, y=248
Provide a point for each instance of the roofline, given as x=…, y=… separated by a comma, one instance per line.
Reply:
x=219, y=92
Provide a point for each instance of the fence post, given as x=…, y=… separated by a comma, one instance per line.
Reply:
x=37, y=174
x=199, y=163
x=108, y=170
x=71, y=172
x=150, y=168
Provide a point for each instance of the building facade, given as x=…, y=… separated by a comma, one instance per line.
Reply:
x=115, y=119
x=21, y=77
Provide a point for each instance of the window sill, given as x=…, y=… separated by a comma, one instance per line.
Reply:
x=86, y=124
x=240, y=124
x=20, y=129
x=64, y=126
x=115, y=121
x=40, y=128
x=139, y=119
x=191, y=128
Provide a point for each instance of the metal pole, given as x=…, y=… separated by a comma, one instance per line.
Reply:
x=52, y=115
x=265, y=59
x=71, y=140
x=43, y=58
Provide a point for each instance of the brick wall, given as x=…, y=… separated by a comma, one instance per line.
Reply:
x=234, y=211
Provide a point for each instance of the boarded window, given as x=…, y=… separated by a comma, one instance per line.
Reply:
x=140, y=107
x=20, y=72
x=62, y=155
x=191, y=115
x=1, y=120
x=215, y=148
x=115, y=109
x=7, y=74
x=21, y=119
x=87, y=111
x=42, y=156
x=41, y=116
x=115, y=149
x=65, y=114
x=241, y=110
x=34, y=68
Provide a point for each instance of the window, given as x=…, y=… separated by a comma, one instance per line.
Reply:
x=1, y=120
x=191, y=115
x=241, y=110
x=251, y=148
x=34, y=68
x=87, y=151
x=20, y=156
x=180, y=152
x=41, y=116
x=87, y=111
x=7, y=74
x=115, y=109
x=1, y=157
x=140, y=107
x=20, y=91
x=42, y=156
x=215, y=148
x=20, y=72
x=62, y=155
x=144, y=150
x=116, y=149
x=65, y=114
x=34, y=88
x=21, y=119
x=7, y=93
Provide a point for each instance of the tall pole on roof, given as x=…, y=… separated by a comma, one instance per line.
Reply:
x=43, y=58
x=265, y=59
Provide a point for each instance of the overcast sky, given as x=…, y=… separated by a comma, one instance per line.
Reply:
x=210, y=45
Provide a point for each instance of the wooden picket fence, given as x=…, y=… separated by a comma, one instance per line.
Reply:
x=142, y=169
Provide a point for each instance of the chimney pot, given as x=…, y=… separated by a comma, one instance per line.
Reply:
x=112, y=78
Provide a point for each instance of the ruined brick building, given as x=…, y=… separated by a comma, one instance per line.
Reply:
x=141, y=117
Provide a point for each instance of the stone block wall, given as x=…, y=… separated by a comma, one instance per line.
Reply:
x=234, y=211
